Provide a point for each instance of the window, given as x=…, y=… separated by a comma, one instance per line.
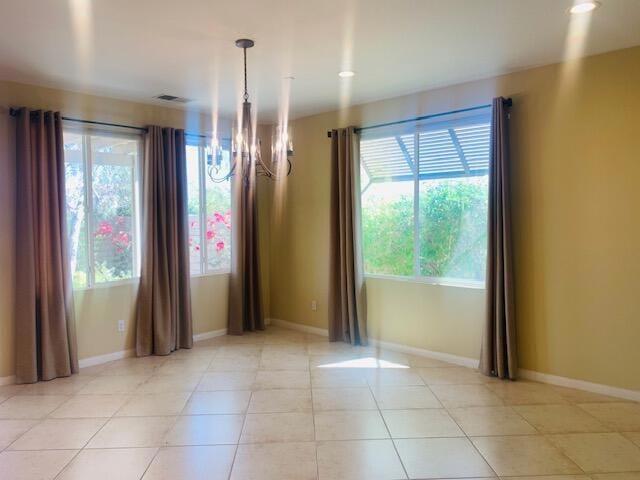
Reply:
x=101, y=182
x=424, y=199
x=209, y=211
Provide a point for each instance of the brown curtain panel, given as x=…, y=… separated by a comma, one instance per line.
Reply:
x=498, y=355
x=44, y=316
x=245, y=301
x=164, y=297
x=347, y=296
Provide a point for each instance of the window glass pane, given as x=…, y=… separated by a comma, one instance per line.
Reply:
x=76, y=209
x=193, y=189
x=218, y=219
x=453, y=227
x=387, y=228
x=113, y=217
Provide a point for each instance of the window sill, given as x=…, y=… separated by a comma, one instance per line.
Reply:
x=211, y=273
x=444, y=282
x=115, y=283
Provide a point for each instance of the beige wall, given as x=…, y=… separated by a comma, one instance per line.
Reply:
x=575, y=144
x=98, y=310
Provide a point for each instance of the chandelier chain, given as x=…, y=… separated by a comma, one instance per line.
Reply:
x=246, y=93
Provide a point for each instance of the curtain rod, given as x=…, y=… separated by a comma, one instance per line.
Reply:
x=507, y=102
x=14, y=112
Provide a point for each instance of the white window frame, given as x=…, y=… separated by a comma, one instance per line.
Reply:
x=87, y=158
x=415, y=129
x=205, y=271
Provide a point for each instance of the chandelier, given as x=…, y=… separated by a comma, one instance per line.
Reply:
x=245, y=147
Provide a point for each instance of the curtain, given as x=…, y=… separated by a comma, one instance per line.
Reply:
x=44, y=315
x=347, y=296
x=245, y=302
x=163, y=316
x=498, y=355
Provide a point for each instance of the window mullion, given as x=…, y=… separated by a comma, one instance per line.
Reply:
x=88, y=162
x=416, y=204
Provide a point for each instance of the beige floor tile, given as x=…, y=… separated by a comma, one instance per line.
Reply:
x=350, y=425
x=550, y=477
x=393, y=377
x=11, y=390
x=10, y=430
x=113, y=384
x=524, y=455
x=280, y=401
x=390, y=359
x=293, y=348
x=284, y=361
x=526, y=393
x=338, y=377
x=151, y=404
x=192, y=463
x=59, y=434
x=3, y=398
x=234, y=351
x=123, y=432
x=109, y=464
x=266, y=379
x=205, y=430
x=212, y=381
x=35, y=465
x=277, y=427
x=421, y=423
x=186, y=382
x=30, y=406
x=581, y=396
x=620, y=416
x=90, y=406
x=441, y=458
x=331, y=348
x=129, y=368
x=599, y=452
x=359, y=460
x=417, y=361
x=57, y=386
x=403, y=397
x=209, y=403
x=275, y=461
x=559, y=419
x=634, y=437
x=184, y=365
x=451, y=376
x=337, y=360
x=356, y=398
x=242, y=364
x=484, y=421
x=455, y=396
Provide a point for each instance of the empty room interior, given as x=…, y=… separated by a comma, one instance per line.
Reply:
x=304, y=240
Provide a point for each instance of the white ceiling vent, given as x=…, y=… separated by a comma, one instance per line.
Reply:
x=172, y=98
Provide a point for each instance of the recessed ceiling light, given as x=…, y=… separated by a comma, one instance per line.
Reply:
x=346, y=74
x=584, y=7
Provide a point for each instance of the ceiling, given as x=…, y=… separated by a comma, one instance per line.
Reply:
x=136, y=49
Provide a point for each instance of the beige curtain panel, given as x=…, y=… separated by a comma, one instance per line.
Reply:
x=164, y=298
x=44, y=315
x=498, y=355
x=347, y=296
x=245, y=301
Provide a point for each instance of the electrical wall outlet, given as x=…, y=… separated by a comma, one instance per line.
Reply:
x=121, y=325
x=314, y=305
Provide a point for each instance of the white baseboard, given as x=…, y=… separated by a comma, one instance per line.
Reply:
x=580, y=384
x=299, y=327
x=110, y=357
x=473, y=363
x=9, y=380
x=207, y=335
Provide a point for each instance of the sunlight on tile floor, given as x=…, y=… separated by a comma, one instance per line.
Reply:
x=288, y=405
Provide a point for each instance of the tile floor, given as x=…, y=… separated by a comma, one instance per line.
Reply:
x=287, y=405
